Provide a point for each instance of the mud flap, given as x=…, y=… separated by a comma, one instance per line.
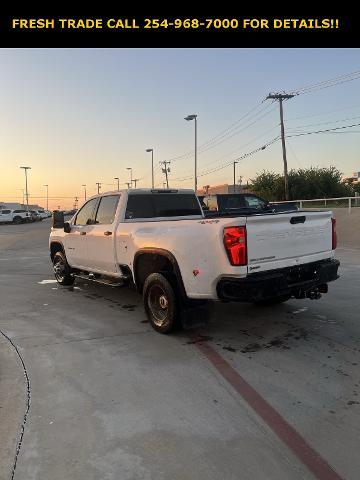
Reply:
x=196, y=314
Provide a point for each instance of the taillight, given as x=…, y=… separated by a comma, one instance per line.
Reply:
x=235, y=245
x=334, y=236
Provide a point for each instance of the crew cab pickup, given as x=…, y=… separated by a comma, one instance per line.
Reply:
x=14, y=216
x=179, y=260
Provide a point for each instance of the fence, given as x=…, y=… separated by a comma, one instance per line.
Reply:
x=340, y=202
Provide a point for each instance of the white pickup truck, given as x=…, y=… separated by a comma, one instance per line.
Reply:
x=14, y=216
x=179, y=260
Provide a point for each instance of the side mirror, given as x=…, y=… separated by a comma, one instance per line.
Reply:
x=58, y=219
x=67, y=227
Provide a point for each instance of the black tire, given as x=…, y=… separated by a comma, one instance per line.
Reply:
x=17, y=220
x=62, y=269
x=160, y=303
x=273, y=301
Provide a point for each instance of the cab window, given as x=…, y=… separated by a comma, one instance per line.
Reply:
x=107, y=209
x=255, y=202
x=85, y=214
x=211, y=203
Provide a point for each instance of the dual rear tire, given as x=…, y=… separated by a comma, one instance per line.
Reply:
x=161, y=303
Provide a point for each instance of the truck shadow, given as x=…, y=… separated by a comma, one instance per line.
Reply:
x=249, y=329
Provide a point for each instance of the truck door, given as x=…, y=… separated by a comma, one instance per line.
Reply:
x=76, y=240
x=5, y=216
x=101, y=236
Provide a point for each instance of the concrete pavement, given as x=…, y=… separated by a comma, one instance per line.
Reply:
x=112, y=399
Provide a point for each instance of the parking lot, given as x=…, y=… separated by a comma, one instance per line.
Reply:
x=112, y=399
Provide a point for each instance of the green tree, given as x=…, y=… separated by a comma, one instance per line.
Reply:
x=305, y=183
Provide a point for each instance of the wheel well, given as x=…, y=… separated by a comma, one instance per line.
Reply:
x=54, y=248
x=157, y=262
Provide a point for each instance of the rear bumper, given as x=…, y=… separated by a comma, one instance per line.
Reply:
x=295, y=281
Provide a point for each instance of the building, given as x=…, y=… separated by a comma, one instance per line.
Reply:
x=224, y=188
x=18, y=206
x=355, y=178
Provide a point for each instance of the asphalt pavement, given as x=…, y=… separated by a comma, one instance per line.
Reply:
x=112, y=399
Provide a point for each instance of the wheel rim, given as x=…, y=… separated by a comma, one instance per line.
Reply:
x=59, y=269
x=158, y=305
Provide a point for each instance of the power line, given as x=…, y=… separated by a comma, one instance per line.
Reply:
x=318, y=114
x=332, y=82
x=323, y=131
x=234, y=129
x=325, y=123
x=242, y=157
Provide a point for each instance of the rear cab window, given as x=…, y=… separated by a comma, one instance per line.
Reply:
x=162, y=205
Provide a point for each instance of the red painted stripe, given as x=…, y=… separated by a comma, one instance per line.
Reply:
x=309, y=457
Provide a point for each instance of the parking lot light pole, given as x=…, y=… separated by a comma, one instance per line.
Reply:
x=189, y=118
x=131, y=177
x=26, y=186
x=47, y=196
x=152, y=165
x=118, y=182
x=84, y=191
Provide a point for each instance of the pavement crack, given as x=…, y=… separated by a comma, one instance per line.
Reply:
x=28, y=404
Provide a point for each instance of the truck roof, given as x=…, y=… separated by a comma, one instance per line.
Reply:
x=140, y=191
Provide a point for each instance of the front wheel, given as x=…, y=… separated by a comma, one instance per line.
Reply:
x=160, y=303
x=62, y=270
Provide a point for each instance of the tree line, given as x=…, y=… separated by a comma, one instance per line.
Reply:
x=304, y=183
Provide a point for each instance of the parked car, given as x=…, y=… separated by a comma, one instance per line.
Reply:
x=42, y=214
x=179, y=259
x=232, y=204
x=35, y=216
x=14, y=216
x=284, y=207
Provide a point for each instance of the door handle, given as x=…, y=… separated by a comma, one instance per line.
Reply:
x=107, y=233
x=82, y=233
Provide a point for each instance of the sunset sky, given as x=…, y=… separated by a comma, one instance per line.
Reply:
x=82, y=116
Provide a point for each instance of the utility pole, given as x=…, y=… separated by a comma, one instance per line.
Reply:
x=135, y=180
x=26, y=186
x=166, y=170
x=47, y=196
x=98, y=186
x=84, y=192
x=235, y=174
x=281, y=97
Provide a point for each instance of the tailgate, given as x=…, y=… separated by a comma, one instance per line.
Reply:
x=286, y=239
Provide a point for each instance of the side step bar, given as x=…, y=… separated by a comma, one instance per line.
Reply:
x=118, y=282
